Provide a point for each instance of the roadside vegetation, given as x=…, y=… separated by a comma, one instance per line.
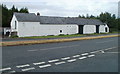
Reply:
x=64, y=36
x=14, y=43
x=8, y=13
x=58, y=36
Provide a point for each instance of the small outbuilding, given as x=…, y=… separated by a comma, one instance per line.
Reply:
x=29, y=24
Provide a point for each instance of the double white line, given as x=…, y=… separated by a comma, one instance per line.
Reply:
x=53, y=60
x=20, y=66
x=38, y=63
x=43, y=66
x=65, y=58
x=5, y=69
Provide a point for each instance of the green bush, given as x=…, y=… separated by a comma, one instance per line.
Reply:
x=15, y=36
x=61, y=35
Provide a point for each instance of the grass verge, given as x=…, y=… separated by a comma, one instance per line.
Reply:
x=14, y=43
x=62, y=35
x=58, y=36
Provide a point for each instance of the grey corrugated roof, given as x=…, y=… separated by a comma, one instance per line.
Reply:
x=31, y=17
x=26, y=17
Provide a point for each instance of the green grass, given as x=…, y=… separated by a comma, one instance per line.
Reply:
x=52, y=41
x=62, y=35
x=14, y=36
x=114, y=32
x=58, y=36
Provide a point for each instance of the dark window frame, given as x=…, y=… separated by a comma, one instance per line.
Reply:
x=60, y=31
x=15, y=24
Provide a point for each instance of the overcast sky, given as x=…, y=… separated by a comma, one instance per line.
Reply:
x=70, y=8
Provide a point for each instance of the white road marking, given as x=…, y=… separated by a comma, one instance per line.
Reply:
x=53, y=60
x=110, y=48
x=91, y=55
x=38, y=63
x=84, y=54
x=95, y=51
x=82, y=57
x=72, y=60
x=65, y=58
x=27, y=69
x=12, y=71
x=5, y=69
x=59, y=63
x=105, y=41
x=76, y=56
x=102, y=51
x=20, y=66
x=32, y=50
x=43, y=66
x=112, y=52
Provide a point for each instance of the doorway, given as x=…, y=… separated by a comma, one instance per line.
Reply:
x=80, y=29
x=106, y=29
x=97, y=28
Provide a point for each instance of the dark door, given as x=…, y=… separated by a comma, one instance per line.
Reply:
x=97, y=28
x=80, y=29
x=106, y=29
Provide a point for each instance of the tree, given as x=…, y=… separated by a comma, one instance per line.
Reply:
x=118, y=24
x=23, y=10
x=13, y=8
x=113, y=16
x=79, y=16
x=92, y=17
x=8, y=13
x=87, y=15
x=5, y=15
x=83, y=16
x=108, y=18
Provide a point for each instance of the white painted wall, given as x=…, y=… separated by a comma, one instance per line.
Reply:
x=108, y=30
x=13, y=24
x=102, y=28
x=25, y=29
x=6, y=30
x=36, y=29
x=87, y=29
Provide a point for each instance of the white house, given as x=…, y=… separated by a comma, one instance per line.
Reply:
x=6, y=31
x=29, y=24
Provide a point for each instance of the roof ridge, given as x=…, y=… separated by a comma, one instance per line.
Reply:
x=31, y=17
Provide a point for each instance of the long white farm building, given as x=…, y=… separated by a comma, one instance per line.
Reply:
x=29, y=24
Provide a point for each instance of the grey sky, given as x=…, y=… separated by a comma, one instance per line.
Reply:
x=66, y=7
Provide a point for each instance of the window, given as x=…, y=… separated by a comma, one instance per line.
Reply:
x=60, y=31
x=106, y=29
x=15, y=24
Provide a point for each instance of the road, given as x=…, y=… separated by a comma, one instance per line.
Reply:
x=98, y=55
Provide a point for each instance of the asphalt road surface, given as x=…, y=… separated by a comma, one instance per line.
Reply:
x=98, y=55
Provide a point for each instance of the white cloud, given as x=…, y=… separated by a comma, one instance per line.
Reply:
x=66, y=7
